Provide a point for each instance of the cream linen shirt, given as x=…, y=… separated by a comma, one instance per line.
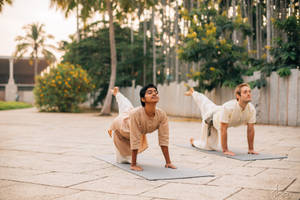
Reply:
x=141, y=123
x=232, y=114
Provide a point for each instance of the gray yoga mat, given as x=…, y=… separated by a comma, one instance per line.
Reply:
x=155, y=170
x=239, y=155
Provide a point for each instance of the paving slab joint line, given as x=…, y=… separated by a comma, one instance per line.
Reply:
x=233, y=193
x=83, y=182
x=163, y=184
x=75, y=192
x=212, y=181
x=284, y=189
x=43, y=152
x=55, y=186
x=247, y=163
x=265, y=169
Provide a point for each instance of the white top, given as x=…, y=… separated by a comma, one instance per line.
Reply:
x=232, y=114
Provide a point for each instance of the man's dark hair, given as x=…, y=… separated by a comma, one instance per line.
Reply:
x=143, y=92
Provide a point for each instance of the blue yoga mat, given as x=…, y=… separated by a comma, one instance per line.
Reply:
x=155, y=170
x=239, y=155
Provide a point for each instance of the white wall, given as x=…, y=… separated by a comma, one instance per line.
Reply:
x=278, y=103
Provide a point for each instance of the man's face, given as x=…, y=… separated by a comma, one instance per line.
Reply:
x=151, y=96
x=245, y=94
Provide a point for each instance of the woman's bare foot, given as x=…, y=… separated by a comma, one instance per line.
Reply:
x=115, y=91
x=192, y=141
x=109, y=132
x=190, y=92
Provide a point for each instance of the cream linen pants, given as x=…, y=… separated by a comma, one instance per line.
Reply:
x=124, y=106
x=207, y=108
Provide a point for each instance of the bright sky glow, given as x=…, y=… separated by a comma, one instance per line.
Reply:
x=23, y=12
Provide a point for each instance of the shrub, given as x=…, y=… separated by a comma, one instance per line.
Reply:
x=62, y=89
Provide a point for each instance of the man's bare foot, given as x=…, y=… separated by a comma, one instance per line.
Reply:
x=252, y=152
x=229, y=153
x=192, y=142
x=115, y=91
x=109, y=133
x=190, y=92
x=170, y=165
x=136, y=168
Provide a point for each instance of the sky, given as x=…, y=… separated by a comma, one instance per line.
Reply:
x=22, y=12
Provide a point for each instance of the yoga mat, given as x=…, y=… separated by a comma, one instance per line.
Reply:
x=239, y=155
x=155, y=170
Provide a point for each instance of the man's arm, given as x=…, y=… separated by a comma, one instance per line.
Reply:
x=165, y=151
x=250, y=137
x=224, y=127
x=133, y=166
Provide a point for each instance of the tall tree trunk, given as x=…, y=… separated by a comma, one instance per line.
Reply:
x=176, y=42
x=131, y=30
x=77, y=22
x=113, y=58
x=164, y=47
x=145, y=47
x=234, y=34
x=268, y=6
x=258, y=30
x=154, y=45
x=36, y=61
x=274, y=16
x=283, y=17
x=169, y=40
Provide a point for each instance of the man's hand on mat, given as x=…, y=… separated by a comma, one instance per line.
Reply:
x=136, y=168
x=229, y=153
x=252, y=152
x=170, y=165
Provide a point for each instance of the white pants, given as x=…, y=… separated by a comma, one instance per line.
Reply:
x=207, y=108
x=124, y=106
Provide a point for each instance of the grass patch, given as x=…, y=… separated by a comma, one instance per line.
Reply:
x=8, y=105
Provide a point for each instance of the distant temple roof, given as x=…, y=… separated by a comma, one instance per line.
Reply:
x=23, y=71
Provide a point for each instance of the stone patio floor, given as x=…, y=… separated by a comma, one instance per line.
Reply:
x=45, y=156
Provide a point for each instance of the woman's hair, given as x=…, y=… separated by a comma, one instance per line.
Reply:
x=143, y=92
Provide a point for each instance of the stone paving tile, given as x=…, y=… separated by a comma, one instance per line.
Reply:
x=24, y=191
x=292, y=173
x=5, y=183
x=59, y=179
x=249, y=194
x=295, y=187
x=108, y=171
x=294, y=155
x=18, y=173
x=124, y=184
x=256, y=182
x=87, y=195
x=187, y=191
x=196, y=181
x=46, y=165
x=276, y=164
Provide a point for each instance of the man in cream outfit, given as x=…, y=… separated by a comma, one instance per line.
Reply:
x=217, y=119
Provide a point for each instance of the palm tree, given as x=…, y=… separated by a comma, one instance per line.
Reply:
x=113, y=59
x=2, y=2
x=34, y=44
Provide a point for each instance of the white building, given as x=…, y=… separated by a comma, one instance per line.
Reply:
x=17, y=78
